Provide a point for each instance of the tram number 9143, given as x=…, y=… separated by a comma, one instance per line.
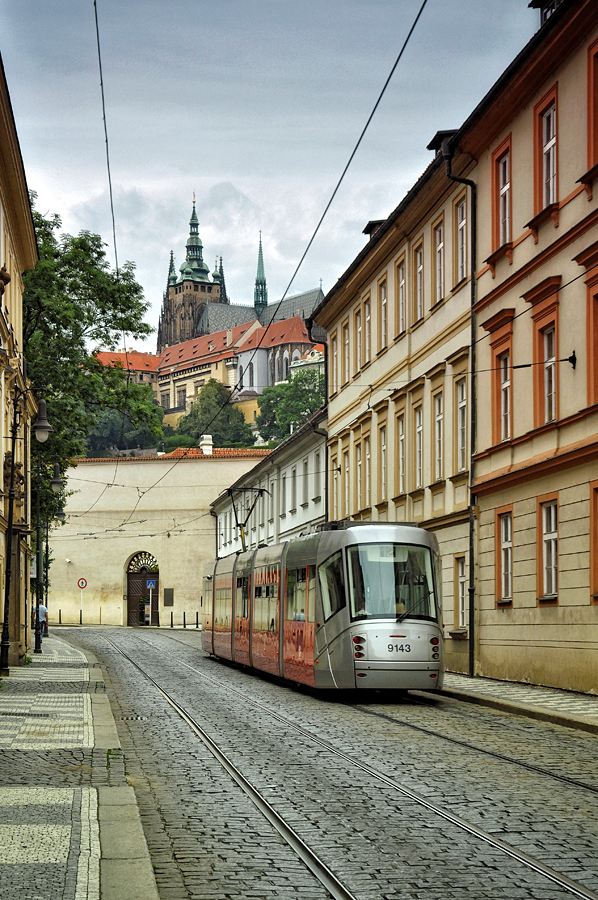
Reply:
x=399, y=648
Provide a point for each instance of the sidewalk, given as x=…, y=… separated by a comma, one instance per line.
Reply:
x=69, y=823
x=542, y=703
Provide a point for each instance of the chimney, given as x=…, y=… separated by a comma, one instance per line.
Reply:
x=205, y=444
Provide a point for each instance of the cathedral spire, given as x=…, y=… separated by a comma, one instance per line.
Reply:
x=171, y=271
x=260, y=294
x=195, y=249
x=223, y=294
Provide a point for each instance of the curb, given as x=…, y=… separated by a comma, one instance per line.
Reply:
x=541, y=714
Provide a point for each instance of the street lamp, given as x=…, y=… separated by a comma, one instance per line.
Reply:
x=41, y=429
x=56, y=484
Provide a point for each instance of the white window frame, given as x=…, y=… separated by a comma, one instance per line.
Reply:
x=419, y=446
x=305, y=491
x=549, y=155
x=402, y=310
x=462, y=592
x=368, y=471
x=461, y=240
x=383, y=463
x=367, y=333
x=504, y=362
x=550, y=548
x=504, y=197
x=549, y=344
x=438, y=435
x=401, y=427
x=334, y=364
x=346, y=353
x=506, y=556
x=347, y=485
x=462, y=425
x=317, y=474
x=358, y=475
x=419, y=282
x=383, y=316
x=439, y=252
x=335, y=471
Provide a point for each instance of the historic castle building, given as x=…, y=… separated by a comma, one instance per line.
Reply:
x=196, y=303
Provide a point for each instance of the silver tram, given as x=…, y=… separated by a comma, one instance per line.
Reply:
x=355, y=605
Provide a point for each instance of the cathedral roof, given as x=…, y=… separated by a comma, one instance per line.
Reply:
x=298, y=305
x=289, y=331
x=217, y=316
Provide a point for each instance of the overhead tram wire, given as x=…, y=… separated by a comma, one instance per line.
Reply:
x=311, y=240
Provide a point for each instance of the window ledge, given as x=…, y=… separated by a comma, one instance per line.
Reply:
x=459, y=634
x=283, y=516
x=316, y=499
x=588, y=179
x=549, y=212
x=293, y=510
x=304, y=505
x=500, y=253
x=459, y=479
x=505, y=604
x=552, y=600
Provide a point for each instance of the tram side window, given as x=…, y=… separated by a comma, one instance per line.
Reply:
x=265, y=616
x=242, y=597
x=311, y=594
x=296, y=585
x=332, y=585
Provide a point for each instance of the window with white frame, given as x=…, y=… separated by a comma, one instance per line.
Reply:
x=419, y=283
x=462, y=425
x=271, y=501
x=305, y=491
x=549, y=548
x=549, y=155
x=367, y=316
x=549, y=375
x=401, y=429
x=358, y=339
x=383, y=316
x=335, y=474
x=383, y=463
x=461, y=239
x=283, y=495
x=317, y=474
x=505, y=396
x=438, y=427
x=439, y=255
x=461, y=593
x=359, y=484
x=419, y=447
x=506, y=557
x=368, y=471
x=293, y=489
x=504, y=198
x=346, y=347
x=346, y=481
x=334, y=365
x=402, y=310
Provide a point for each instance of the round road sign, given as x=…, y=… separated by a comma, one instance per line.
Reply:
x=82, y=583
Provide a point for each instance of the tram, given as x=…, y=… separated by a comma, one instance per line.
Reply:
x=355, y=605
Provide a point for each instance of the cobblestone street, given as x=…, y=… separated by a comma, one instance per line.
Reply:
x=207, y=840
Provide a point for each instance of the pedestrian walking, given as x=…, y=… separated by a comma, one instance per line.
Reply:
x=43, y=620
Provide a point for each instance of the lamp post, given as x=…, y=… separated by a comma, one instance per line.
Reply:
x=56, y=484
x=42, y=429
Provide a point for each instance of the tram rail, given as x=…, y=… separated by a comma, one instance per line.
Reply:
x=326, y=877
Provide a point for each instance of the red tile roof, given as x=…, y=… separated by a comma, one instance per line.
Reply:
x=133, y=360
x=217, y=453
x=289, y=331
x=209, y=347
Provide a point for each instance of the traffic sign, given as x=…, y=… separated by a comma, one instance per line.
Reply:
x=151, y=584
x=82, y=583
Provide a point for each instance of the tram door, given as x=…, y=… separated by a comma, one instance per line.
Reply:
x=142, y=587
x=300, y=596
x=243, y=589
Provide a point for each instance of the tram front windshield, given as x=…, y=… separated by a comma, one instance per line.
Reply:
x=391, y=581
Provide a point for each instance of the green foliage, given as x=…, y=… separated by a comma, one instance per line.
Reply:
x=285, y=407
x=73, y=305
x=212, y=414
x=117, y=431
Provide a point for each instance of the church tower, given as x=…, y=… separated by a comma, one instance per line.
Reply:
x=260, y=293
x=187, y=295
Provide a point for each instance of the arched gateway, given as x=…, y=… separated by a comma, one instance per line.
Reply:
x=142, y=587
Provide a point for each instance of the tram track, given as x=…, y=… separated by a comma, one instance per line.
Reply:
x=326, y=877
x=531, y=767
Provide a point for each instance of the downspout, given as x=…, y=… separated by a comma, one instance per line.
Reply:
x=309, y=324
x=447, y=154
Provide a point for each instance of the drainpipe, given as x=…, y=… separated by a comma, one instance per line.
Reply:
x=447, y=154
x=309, y=325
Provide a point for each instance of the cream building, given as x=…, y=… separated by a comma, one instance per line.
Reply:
x=18, y=252
x=398, y=324
x=139, y=530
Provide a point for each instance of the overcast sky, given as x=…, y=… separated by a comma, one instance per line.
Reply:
x=253, y=104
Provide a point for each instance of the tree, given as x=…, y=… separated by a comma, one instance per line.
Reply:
x=115, y=431
x=213, y=414
x=285, y=407
x=73, y=305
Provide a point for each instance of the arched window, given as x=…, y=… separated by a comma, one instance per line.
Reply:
x=278, y=368
x=250, y=375
x=286, y=364
x=241, y=378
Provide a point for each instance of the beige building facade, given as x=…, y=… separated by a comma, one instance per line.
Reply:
x=18, y=252
x=536, y=464
x=140, y=531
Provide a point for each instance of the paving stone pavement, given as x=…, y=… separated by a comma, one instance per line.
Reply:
x=63, y=792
